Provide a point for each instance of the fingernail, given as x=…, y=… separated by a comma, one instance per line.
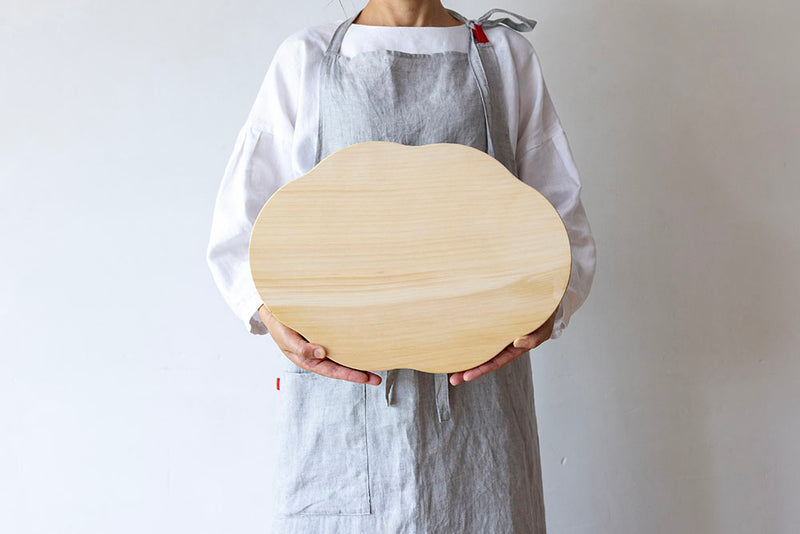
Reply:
x=319, y=353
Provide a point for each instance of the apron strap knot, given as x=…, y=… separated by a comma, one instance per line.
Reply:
x=476, y=26
x=525, y=26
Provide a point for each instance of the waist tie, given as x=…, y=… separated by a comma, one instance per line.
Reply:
x=441, y=392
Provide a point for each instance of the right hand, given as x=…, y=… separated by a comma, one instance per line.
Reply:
x=301, y=353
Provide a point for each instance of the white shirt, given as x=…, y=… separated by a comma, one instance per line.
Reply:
x=278, y=140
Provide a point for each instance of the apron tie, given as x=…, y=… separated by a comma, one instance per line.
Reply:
x=441, y=392
x=391, y=376
x=441, y=388
x=525, y=26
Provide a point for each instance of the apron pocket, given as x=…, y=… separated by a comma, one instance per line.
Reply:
x=322, y=465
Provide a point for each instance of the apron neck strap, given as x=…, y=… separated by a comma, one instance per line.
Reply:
x=338, y=36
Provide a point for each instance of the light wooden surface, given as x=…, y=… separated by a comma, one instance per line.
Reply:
x=431, y=257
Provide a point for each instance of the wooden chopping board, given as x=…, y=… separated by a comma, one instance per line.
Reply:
x=431, y=257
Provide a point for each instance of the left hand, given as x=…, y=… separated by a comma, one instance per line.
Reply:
x=509, y=353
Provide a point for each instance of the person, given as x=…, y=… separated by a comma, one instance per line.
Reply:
x=444, y=452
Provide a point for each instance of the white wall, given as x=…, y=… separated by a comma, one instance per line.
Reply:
x=132, y=400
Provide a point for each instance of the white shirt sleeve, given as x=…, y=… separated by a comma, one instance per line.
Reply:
x=544, y=161
x=259, y=164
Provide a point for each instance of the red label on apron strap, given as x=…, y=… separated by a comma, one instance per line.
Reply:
x=278, y=385
x=479, y=35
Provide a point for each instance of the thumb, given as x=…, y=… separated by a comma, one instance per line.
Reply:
x=303, y=348
x=526, y=342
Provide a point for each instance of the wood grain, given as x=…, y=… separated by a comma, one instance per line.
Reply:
x=431, y=257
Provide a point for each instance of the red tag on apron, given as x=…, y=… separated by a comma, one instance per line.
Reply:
x=479, y=35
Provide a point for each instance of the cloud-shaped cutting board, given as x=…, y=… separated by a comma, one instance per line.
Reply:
x=431, y=257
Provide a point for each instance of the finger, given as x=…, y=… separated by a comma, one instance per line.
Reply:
x=459, y=377
x=532, y=340
x=329, y=368
x=313, y=357
x=504, y=357
x=297, y=344
x=525, y=342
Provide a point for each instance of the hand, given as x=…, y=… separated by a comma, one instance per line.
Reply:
x=509, y=353
x=302, y=353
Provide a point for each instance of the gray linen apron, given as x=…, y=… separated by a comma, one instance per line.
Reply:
x=415, y=454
